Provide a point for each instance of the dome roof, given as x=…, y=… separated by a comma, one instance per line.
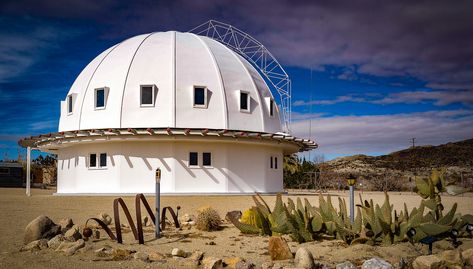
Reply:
x=160, y=80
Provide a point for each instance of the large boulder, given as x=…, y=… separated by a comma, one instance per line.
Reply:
x=304, y=259
x=41, y=227
x=278, y=249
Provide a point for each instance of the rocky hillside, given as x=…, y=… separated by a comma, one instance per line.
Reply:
x=456, y=157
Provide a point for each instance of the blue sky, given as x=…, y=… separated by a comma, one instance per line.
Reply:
x=366, y=77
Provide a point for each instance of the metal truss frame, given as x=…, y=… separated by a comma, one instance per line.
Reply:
x=258, y=55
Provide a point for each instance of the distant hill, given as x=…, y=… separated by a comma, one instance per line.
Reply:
x=456, y=157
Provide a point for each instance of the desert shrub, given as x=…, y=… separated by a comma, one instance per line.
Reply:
x=208, y=219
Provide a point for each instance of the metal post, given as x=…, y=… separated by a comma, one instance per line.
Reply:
x=351, y=181
x=28, y=171
x=352, y=204
x=158, y=205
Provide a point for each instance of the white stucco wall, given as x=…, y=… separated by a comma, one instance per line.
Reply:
x=236, y=168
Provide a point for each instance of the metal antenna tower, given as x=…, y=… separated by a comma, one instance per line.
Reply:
x=258, y=55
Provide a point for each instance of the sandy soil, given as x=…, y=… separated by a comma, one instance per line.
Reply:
x=17, y=211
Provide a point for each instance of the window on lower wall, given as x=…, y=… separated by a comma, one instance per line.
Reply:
x=103, y=159
x=97, y=160
x=92, y=160
x=273, y=162
x=206, y=159
x=193, y=159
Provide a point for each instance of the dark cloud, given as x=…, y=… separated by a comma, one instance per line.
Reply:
x=430, y=40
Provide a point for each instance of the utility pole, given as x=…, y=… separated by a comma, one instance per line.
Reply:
x=413, y=142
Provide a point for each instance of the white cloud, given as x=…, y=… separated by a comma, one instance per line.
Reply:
x=438, y=98
x=348, y=135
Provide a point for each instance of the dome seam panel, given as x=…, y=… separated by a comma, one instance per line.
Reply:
x=222, y=83
x=234, y=54
x=128, y=72
x=90, y=79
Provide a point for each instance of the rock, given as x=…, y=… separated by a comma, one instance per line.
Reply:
x=156, y=256
x=196, y=257
x=278, y=249
x=267, y=265
x=87, y=247
x=71, y=247
x=233, y=215
x=119, y=254
x=75, y=246
x=186, y=218
x=103, y=252
x=451, y=258
x=428, y=262
x=304, y=258
x=376, y=263
x=35, y=245
x=468, y=257
x=56, y=241
x=66, y=224
x=176, y=252
x=144, y=257
x=73, y=234
x=211, y=243
x=231, y=262
x=41, y=228
x=191, y=223
x=345, y=265
x=95, y=234
x=244, y=265
x=105, y=218
x=212, y=263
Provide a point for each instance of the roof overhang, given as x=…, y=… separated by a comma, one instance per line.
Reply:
x=54, y=141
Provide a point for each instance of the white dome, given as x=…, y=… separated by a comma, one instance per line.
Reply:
x=173, y=63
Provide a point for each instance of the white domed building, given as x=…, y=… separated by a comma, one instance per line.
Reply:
x=179, y=102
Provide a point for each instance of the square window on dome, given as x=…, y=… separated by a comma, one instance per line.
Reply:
x=200, y=96
x=244, y=101
x=100, y=98
x=147, y=95
x=69, y=104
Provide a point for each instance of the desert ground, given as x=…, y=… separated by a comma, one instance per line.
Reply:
x=17, y=210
